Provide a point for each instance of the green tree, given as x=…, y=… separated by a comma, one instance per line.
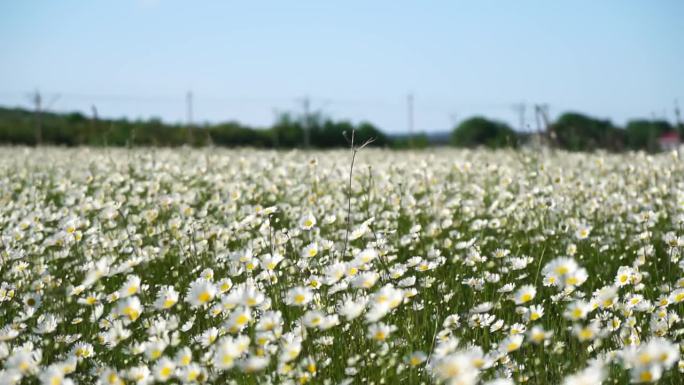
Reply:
x=479, y=131
x=644, y=134
x=577, y=132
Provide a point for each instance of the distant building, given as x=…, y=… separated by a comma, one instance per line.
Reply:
x=669, y=141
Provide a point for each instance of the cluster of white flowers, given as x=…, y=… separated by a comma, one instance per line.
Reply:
x=240, y=266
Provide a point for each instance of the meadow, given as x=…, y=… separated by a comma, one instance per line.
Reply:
x=140, y=266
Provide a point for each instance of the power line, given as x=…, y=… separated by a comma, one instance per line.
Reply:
x=520, y=108
x=37, y=100
x=188, y=102
x=306, y=105
x=409, y=116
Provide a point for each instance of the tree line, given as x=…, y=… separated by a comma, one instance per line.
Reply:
x=571, y=131
x=24, y=127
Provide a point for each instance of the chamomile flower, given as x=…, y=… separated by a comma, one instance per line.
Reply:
x=299, y=296
x=166, y=298
x=130, y=287
x=524, y=294
x=307, y=222
x=380, y=331
x=130, y=308
x=538, y=335
x=534, y=313
x=511, y=343
x=365, y=280
x=582, y=232
x=164, y=369
x=310, y=250
x=200, y=293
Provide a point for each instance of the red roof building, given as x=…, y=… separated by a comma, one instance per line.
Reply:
x=669, y=141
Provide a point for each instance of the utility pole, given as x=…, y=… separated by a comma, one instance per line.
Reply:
x=409, y=112
x=93, y=121
x=541, y=114
x=678, y=118
x=652, y=137
x=37, y=100
x=520, y=109
x=306, y=104
x=276, y=140
x=188, y=103
x=453, y=119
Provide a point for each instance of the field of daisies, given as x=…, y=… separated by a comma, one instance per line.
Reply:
x=141, y=266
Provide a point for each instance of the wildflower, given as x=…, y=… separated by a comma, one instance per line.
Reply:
x=365, y=280
x=380, y=331
x=310, y=250
x=82, y=350
x=130, y=287
x=54, y=376
x=534, y=313
x=582, y=232
x=299, y=296
x=586, y=333
x=593, y=374
x=238, y=319
x=624, y=276
x=166, y=298
x=130, y=307
x=313, y=318
x=155, y=349
x=254, y=364
x=416, y=358
x=351, y=309
x=456, y=368
x=606, y=297
x=538, y=335
x=200, y=292
x=183, y=357
x=191, y=373
x=290, y=348
x=227, y=351
x=524, y=294
x=366, y=256
x=577, y=310
x=511, y=343
x=307, y=222
x=164, y=369
x=649, y=360
x=271, y=261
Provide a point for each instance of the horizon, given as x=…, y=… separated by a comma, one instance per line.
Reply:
x=617, y=60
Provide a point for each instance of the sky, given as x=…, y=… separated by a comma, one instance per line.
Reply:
x=355, y=60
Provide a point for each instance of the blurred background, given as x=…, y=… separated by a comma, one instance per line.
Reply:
x=580, y=75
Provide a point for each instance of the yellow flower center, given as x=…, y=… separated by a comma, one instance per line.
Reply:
x=204, y=297
x=241, y=319
x=165, y=371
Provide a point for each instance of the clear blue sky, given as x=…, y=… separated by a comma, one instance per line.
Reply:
x=357, y=60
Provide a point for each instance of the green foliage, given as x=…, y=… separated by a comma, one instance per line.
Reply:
x=411, y=142
x=19, y=127
x=577, y=132
x=644, y=134
x=571, y=131
x=479, y=131
x=289, y=131
x=233, y=134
